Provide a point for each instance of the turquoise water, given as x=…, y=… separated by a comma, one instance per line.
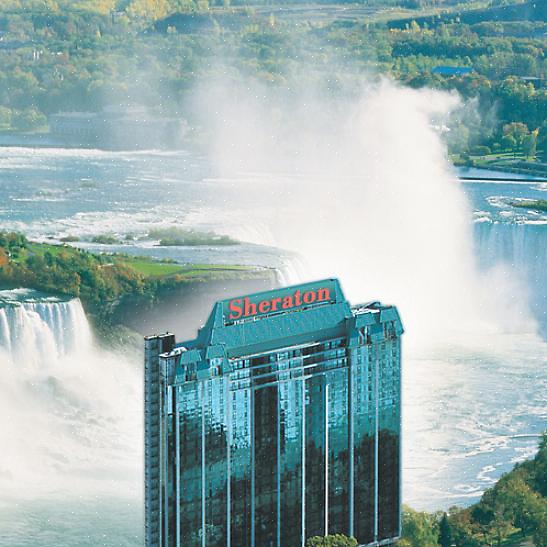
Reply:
x=70, y=522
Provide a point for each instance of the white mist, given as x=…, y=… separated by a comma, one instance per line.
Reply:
x=370, y=197
x=69, y=411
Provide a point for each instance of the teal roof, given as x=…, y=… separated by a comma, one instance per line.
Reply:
x=228, y=332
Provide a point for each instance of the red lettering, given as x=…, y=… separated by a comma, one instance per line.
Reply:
x=250, y=308
x=236, y=310
x=323, y=294
x=245, y=308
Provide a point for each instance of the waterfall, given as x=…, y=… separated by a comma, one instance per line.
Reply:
x=292, y=270
x=38, y=330
x=69, y=410
x=519, y=251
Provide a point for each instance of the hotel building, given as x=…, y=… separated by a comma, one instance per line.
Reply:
x=279, y=422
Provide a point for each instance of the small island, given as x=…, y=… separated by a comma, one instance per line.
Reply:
x=174, y=236
x=171, y=236
x=533, y=204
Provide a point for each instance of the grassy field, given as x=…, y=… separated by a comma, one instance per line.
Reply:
x=329, y=12
x=153, y=268
x=147, y=267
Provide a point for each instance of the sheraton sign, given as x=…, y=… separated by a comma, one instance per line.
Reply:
x=241, y=308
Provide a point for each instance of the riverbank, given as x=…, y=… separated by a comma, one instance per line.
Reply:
x=532, y=169
x=505, y=163
x=45, y=139
x=511, y=513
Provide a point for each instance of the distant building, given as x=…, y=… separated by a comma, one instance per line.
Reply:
x=132, y=128
x=279, y=422
x=452, y=70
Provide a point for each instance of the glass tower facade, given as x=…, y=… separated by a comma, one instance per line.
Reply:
x=279, y=422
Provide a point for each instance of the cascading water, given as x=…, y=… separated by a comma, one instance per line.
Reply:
x=519, y=250
x=71, y=430
x=362, y=192
x=36, y=330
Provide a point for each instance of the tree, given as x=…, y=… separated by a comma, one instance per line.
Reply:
x=414, y=27
x=517, y=130
x=529, y=144
x=148, y=9
x=540, y=535
x=336, y=540
x=501, y=525
x=509, y=143
x=526, y=505
x=420, y=529
x=5, y=115
x=542, y=141
x=540, y=467
x=445, y=534
x=480, y=150
x=4, y=260
x=180, y=6
x=28, y=119
x=465, y=531
x=458, y=138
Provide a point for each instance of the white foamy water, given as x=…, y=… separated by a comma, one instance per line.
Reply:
x=469, y=414
x=40, y=331
x=71, y=424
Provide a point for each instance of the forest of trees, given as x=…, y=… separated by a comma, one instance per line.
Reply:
x=67, y=271
x=513, y=510
x=57, y=55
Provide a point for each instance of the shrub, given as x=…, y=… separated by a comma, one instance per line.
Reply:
x=28, y=119
x=105, y=239
x=480, y=151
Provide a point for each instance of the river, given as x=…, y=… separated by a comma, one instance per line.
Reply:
x=464, y=421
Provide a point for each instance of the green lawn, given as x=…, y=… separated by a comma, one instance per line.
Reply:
x=148, y=267
x=40, y=249
x=154, y=268
x=151, y=269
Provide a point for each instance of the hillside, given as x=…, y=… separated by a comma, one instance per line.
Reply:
x=512, y=513
x=86, y=56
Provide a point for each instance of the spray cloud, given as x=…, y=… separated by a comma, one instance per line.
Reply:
x=361, y=189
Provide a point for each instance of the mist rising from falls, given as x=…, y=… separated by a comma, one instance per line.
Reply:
x=67, y=408
x=363, y=190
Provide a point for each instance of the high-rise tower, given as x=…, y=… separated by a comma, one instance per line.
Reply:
x=279, y=422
